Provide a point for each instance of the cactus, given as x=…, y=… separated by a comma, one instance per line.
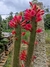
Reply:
x=33, y=15
x=31, y=43
x=15, y=23
x=17, y=47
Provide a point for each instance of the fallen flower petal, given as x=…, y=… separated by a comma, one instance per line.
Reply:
x=23, y=55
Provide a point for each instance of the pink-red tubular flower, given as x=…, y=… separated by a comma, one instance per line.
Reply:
x=22, y=65
x=33, y=58
x=15, y=21
x=25, y=42
x=34, y=12
x=28, y=27
x=31, y=4
x=23, y=33
x=12, y=24
x=23, y=23
x=36, y=42
x=23, y=55
x=29, y=14
x=39, y=30
x=13, y=32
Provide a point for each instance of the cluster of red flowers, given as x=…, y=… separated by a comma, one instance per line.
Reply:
x=15, y=21
x=23, y=55
x=29, y=14
x=34, y=12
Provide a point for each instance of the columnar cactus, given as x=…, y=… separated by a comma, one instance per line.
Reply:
x=17, y=47
x=35, y=16
x=31, y=43
x=15, y=22
x=32, y=15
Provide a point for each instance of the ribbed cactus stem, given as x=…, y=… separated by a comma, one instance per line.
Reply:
x=31, y=44
x=17, y=44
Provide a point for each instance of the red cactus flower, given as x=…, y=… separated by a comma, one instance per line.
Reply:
x=23, y=55
x=12, y=24
x=38, y=19
x=34, y=57
x=29, y=14
x=13, y=32
x=23, y=33
x=39, y=30
x=22, y=65
x=16, y=38
x=34, y=7
x=23, y=41
x=39, y=14
x=23, y=23
x=31, y=4
x=28, y=27
x=17, y=19
x=35, y=11
x=36, y=42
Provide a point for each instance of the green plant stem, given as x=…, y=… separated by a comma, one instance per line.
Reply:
x=31, y=44
x=17, y=47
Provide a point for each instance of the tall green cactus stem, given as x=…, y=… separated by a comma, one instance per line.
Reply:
x=17, y=44
x=31, y=43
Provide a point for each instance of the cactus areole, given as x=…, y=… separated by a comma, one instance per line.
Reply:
x=33, y=15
